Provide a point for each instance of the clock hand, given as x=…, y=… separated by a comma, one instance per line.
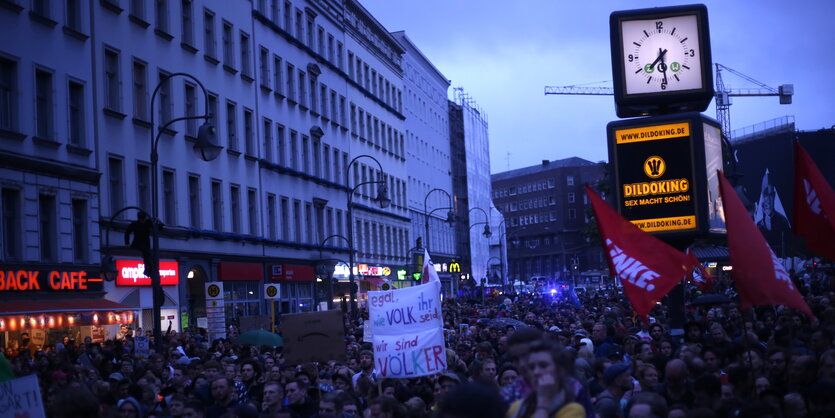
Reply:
x=660, y=56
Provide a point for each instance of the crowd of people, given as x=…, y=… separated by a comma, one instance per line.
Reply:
x=513, y=355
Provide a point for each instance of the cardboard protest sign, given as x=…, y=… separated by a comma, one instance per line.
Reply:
x=21, y=398
x=313, y=336
x=407, y=327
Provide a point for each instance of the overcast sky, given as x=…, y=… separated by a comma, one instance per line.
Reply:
x=503, y=53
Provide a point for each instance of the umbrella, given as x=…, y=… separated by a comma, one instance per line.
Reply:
x=711, y=299
x=260, y=337
x=505, y=322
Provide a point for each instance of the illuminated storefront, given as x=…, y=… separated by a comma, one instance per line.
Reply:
x=50, y=302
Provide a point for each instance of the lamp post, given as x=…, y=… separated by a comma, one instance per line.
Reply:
x=382, y=199
x=330, y=276
x=206, y=149
x=487, y=233
x=426, y=213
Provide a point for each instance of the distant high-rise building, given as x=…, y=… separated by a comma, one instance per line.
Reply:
x=545, y=208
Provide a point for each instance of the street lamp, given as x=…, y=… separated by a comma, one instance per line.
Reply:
x=487, y=233
x=331, y=267
x=382, y=199
x=205, y=148
x=426, y=213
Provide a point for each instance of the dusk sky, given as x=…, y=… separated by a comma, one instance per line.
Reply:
x=504, y=54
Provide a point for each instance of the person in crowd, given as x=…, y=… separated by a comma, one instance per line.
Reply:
x=225, y=397
x=549, y=367
x=618, y=382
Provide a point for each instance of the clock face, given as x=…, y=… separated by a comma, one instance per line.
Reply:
x=661, y=55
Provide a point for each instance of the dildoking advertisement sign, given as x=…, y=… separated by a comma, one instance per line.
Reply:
x=407, y=327
x=665, y=173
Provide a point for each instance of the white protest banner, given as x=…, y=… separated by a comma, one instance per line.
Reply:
x=408, y=334
x=141, y=346
x=21, y=398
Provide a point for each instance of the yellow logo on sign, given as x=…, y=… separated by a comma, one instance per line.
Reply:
x=272, y=291
x=386, y=271
x=454, y=267
x=654, y=167
x=213, y=290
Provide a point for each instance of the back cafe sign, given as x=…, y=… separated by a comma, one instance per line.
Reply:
x=14, y=279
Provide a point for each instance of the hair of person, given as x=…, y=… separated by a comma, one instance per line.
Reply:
x=657, y=404
x=641, y=372
x=273, y=383
x=211, y=364
x=335, y=398
x=708, y=383
x=472, y=400
x=389, y=405
x=75, y=402
x=256, y=366
x=303, y=386
x=505, y=367
x=524, y=335
x=366, y=353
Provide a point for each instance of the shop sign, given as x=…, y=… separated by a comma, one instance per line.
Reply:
x=57, y=280
x=367, y=270
x=292, y=273
x=132, y=273
x=230, y=270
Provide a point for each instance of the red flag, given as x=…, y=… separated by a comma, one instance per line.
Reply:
x=759, y=276
x=429, y=274
x=647, y=267
x=701, y=278
x=814, y=205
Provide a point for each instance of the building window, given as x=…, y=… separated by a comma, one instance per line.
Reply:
x=137, y=8
x=285, y=218
x=271, y=217
x=76, y=113
x=41, y=7
x=140, y=90
x=302, y=89
x=194, y=201
x=572, y=213
x=317, y=164
x=190, y=94
x=188, y=22
x=213, y=111
x=228, y=45
x=161, y=7
x=116, y=184
x=235, y=207
x=241, y=299
x=288, y=16
x=217, y=205
x=291, y=84
x=79, y=230
x=209, y=41
x=165, y=102
x=569, y=180
x=280, y=144
x=252, y=210
x=320, y=31
x=277, y=84
x=73, y=14
x=231, y=125
x=339, y=55
x=294, y=150
x=308, y=223
x=12, y=221
x=264, y=66
x=169, y=196
x=299, y=25
x=143, y=186
x=268, y=139
x=297, y=221
x=8, y=94
x=246, y=66
x=249, y=135
x=48, y=227
x=326, y=163
x=571, y=197
x=43, y=103
x=306, y=154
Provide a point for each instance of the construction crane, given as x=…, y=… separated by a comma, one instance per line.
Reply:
x=722, y=94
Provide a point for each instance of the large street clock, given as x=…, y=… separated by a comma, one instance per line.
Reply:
x=661, y=60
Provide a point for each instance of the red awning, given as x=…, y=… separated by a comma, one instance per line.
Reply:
x=61, y=305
